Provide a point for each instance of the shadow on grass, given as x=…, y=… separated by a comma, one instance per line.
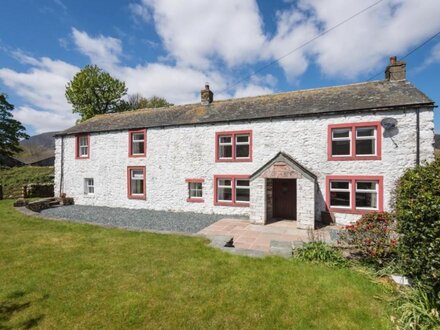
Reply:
x=10, y=307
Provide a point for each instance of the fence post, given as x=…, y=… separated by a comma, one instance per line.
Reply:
x=1, y=192
x=24, y=192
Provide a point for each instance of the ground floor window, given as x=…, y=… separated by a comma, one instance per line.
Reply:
x=231, y=190
x=354, y=194
x=195, y=190
x=89, y=186
x=136, y=182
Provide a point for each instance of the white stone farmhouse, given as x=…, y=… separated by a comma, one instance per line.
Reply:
x=304, y=155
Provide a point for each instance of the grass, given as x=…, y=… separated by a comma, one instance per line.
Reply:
x=57, y=275
x=14, y=178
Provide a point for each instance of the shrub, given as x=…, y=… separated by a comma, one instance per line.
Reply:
x=417, y=204
x=320, y=252
x=373, y=238
x=415, y=310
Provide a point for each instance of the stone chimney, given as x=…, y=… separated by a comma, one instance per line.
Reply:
x=396, y=70
x=207, y=95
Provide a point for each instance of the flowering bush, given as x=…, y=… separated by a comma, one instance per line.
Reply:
x=373, y=237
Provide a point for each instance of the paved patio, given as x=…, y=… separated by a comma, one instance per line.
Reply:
x=258, y=237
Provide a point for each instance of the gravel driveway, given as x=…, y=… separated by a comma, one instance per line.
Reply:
x=135, y=219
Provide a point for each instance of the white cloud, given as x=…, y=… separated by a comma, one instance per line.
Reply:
x=44, y=121
x=197, y=31
x=360, y=45
x=102, y=51
x=43, y=85
x=252, y=90
x=177, y=83
x=433, y=57
x=139, y=12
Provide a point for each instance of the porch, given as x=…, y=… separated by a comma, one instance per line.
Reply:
x=283, y=189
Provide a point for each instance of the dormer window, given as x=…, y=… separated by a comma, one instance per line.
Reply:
x=137, y=143
x=82, y=146
x=234, y=146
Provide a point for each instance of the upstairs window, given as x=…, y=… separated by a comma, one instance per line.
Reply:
x=137, y=143
x=82, y=146
x=136, y=182
x=234, y=146
x=232, y=190
x=195, y=190
x=359, y=141
x=358, y=194
x=89, y=186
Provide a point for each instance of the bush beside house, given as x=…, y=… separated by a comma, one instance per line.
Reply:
x=418, y=213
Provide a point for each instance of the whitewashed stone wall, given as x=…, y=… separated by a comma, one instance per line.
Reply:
x=177, y=153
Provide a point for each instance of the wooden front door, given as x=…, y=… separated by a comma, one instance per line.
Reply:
x=284, y=199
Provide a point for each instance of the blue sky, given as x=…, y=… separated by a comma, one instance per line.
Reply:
x=170, y=48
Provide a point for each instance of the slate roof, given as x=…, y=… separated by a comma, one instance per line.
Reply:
x=375, y=95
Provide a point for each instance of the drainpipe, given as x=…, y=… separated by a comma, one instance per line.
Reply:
x=417, y=137
x=61, y=166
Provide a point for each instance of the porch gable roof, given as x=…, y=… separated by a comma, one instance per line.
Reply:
x=284, y=158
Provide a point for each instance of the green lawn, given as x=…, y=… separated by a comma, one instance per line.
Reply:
x=59, y=275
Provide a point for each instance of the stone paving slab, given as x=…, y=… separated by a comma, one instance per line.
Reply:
x=249, y=236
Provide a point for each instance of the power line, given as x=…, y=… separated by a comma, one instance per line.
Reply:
x=302, y=45
x=412, y=51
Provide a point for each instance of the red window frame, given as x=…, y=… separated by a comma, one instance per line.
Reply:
x=233, y=135
x=129, y=195
x=130, y=143
x=195, y=199
x=352, y=127
x=233, y=178
x=77, y=154
x=353, y=180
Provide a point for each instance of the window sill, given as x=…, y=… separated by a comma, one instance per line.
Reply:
x=143, y=197
x=353, y=158
x=82, y=157
x=232, y=204
x=195, y=200
x=137, y=156
x=231, y=160
x=353, y=211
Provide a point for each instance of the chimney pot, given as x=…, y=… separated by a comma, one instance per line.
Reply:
x=207, y=96
x=396, y=70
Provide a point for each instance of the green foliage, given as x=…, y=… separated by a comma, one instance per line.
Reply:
x=11, y=130
x=416, y=311
x=417, y=204
x=137, y=101
x=14, y=178
x=373, y=238
x=320, y=252
x=93, y=91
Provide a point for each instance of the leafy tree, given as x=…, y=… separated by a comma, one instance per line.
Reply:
x=93, y=91
x=137, y=101
x=11, y=130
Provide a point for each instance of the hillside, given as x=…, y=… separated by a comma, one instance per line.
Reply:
x=14, y=178
x=37, y=147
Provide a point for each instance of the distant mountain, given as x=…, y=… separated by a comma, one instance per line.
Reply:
x=37, y=147
x=45, y=140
